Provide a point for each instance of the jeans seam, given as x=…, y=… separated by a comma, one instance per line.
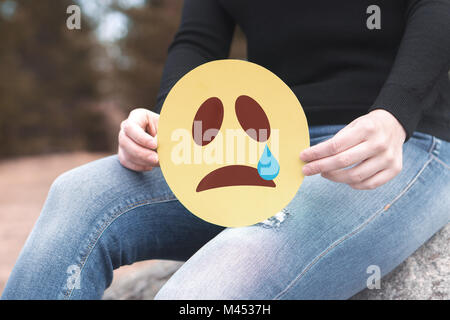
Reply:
x=105, y=226
x=441, y=162
x=433, y=145
x=356, y=230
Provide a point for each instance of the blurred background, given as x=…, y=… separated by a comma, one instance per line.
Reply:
x=64, y=92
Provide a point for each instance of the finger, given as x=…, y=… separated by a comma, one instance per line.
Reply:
x=375, y=181
x=153, y=124
x=138, y=134
x=146, y=119
x=138, y=168
x=343, y=140
x=342, y=160
x=136, y=153
x=127, y=163
x=358, y=173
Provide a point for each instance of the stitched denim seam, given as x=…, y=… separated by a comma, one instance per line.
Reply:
x=433, y=145
x=105, y=226
x=355, y=231
x=440, y=161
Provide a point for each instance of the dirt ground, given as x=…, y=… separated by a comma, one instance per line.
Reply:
x=24, y=183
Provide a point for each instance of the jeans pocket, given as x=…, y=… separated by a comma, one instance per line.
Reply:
x=441, y=152
x=423, y=140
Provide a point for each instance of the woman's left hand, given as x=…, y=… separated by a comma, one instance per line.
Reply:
x=372, y=143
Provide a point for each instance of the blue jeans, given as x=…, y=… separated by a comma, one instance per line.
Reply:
x=101, y=216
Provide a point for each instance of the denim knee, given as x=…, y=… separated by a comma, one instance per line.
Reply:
x=82, y=185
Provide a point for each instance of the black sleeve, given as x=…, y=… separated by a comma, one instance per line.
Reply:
x=422, y=58
x=205, y=34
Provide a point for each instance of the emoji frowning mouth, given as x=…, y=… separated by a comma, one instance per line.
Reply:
x=234, y=175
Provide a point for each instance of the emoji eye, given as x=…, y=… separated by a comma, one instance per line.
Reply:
x=207, y=121
x=252, y=118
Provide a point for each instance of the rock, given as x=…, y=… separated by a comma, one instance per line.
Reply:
x=424, y=275
x=143, y=283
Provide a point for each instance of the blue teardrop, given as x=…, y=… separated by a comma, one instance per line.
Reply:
x=268, y=166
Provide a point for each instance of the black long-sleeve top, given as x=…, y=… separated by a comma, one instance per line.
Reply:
x=338, y=60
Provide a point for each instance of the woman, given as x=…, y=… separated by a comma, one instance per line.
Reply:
x=372, y=77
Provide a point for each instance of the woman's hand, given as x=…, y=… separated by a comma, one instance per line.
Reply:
x=137, y=140
x=373, y=143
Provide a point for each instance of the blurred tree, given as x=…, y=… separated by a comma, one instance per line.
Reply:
x=144, y=50
x=150, y=30
x=47, y=81
x=60, y=88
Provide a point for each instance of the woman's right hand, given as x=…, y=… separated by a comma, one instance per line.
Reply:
x=137, y=140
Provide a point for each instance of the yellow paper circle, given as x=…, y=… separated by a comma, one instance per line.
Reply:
x=184, y=163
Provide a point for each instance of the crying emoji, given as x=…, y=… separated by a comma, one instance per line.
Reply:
x=229, y=138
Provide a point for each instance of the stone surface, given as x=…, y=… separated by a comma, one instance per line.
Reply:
x=424, y=275
x=143, y=283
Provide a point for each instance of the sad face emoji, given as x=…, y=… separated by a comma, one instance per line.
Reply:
x=229, y=138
